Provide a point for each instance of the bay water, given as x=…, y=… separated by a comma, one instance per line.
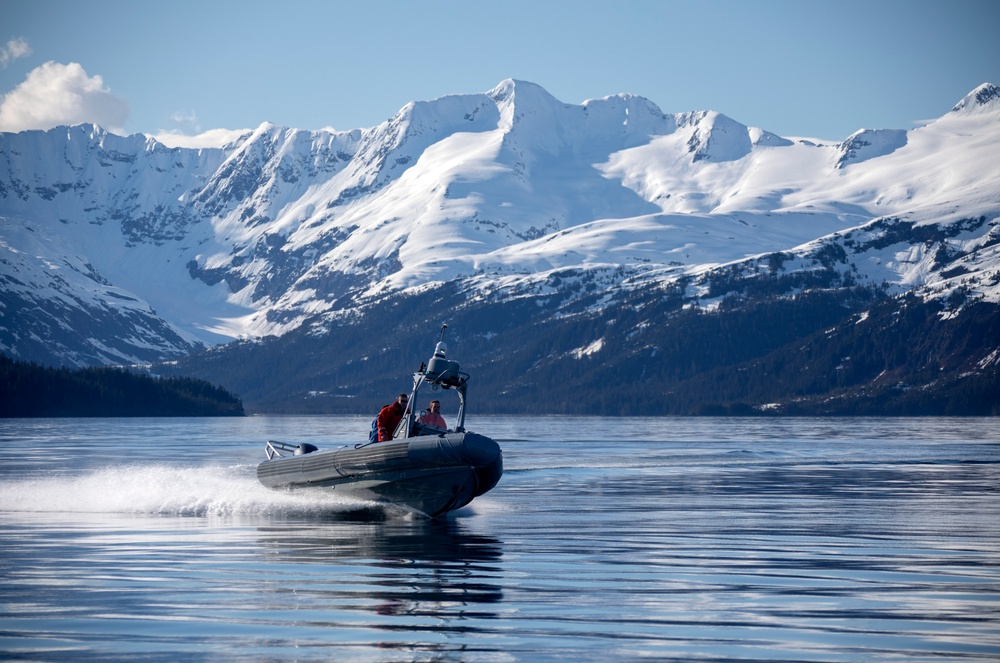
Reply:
x=666, y=539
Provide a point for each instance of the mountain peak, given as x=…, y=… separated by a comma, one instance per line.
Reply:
x=510, y=88
x=870, y=143
x=986, y=96
x=514, y=98
x=288, y=224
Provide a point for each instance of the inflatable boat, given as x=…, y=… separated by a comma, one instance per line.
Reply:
x=423, y=469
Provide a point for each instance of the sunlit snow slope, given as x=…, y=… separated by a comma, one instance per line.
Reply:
x=119, y=249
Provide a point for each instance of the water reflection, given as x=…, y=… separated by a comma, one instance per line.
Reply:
x=354, y=536
x=835, y=540
x=390, y=576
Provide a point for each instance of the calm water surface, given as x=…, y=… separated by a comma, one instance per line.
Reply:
x=606, y=539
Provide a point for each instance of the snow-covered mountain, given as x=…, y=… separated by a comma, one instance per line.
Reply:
x=121, y=250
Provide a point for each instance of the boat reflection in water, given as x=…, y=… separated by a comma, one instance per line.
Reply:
x=399, y=569
x=424, y=469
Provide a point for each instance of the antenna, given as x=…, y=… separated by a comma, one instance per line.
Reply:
x=443, y=327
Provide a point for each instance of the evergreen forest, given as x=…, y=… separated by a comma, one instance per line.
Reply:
x=844, y=352
x=30, y=390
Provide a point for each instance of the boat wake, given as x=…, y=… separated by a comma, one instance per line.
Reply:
x=170, y=491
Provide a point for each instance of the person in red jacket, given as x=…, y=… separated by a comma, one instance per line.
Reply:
x=390, y=416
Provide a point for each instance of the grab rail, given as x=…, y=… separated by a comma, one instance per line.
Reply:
x=274, y=449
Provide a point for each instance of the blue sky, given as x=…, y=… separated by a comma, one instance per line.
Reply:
x=796, y=68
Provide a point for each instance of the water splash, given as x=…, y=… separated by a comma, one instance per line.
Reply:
x=157, y=489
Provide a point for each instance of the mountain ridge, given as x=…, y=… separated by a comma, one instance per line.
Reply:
x=136, y=253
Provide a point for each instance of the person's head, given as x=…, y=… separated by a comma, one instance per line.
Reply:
x=402, y=399
x=435, y=406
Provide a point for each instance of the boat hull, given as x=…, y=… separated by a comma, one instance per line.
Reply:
x=429, y=474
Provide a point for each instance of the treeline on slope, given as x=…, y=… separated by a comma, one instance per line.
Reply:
x=901, y=359
x=30, y=390
x=904, y=358
x=809, y=354
x=662, y=370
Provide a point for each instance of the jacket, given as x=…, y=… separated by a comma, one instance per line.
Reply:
x=433, y=419
x=388, y=419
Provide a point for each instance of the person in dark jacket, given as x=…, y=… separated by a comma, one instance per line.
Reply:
x=390, y=416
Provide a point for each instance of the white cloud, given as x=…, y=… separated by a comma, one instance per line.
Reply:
x=14, y=49
x=210, y=138
x=61, y=94
x=190, y=134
